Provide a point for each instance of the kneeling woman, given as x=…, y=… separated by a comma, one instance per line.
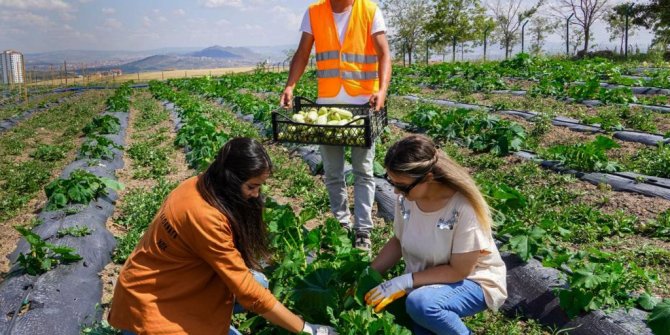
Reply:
x=442, y=230
x=194, y=260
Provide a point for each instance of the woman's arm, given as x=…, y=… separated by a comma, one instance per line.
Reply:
x=279, y=315
x=388, y=256
x=460, y=267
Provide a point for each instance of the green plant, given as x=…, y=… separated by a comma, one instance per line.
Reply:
x=98, y=147
x=49, y=153
x=103, y=125
x=81, y=188
x=598, y=281
x=652, y=161
x=138, y=209
x=43, y=256
x=75, y=231
x=153, y=160
x=586, y=157
x=659, y=319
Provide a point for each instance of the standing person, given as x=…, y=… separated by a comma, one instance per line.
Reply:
x=442, y=230
x=193, y=263
x=353, y=67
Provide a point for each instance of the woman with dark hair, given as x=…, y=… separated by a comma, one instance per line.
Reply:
x=442, y=230
x=194, y=261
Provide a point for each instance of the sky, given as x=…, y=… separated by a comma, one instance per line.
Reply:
x=48, y=25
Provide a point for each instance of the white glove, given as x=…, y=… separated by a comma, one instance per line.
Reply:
x=388, y=291
x=318, y=329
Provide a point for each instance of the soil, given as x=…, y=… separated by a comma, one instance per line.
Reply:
x=125, y=176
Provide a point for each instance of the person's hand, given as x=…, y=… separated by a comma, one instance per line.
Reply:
x=286, y=100
x=317, y=329
x=377, y=100
x=389, y=291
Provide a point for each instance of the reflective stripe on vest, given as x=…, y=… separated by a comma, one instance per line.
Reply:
x=355, y=58
x=332, y=73
x=367, y=75
x=328, y=55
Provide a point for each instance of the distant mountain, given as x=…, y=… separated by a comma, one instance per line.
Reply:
x=172, y=62
x=225, y=52
x=159, y=59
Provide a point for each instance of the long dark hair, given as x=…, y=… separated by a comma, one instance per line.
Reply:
x=417, y=155
x=221, y=186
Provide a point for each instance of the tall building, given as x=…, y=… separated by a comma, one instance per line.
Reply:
x=11, y=67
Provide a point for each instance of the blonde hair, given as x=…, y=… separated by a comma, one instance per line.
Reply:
x=417, y=155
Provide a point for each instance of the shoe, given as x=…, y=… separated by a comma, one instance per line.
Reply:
x=346, y=226
x=362, y=241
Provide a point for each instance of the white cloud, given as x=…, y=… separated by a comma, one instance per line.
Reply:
x=221, y=3
x=179, y=12
x=24, y=19
x=222, y=22
x=112, y=23
x=35, y=4
x=146, y=21
x=108, y=11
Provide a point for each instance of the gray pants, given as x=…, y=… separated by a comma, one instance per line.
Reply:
x=362, y=161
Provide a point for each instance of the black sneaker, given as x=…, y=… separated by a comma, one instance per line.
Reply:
x=362, y=241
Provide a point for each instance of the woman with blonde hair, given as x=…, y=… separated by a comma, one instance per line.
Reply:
x=442, y=230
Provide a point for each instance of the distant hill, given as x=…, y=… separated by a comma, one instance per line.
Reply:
x=221, y=52
x=159, y=59
x=169, y=62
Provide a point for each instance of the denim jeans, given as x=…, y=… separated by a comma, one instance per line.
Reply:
x=362, y=160
x=237, y=308
x=438, y=309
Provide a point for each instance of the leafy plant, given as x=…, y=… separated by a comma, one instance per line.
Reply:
x=599, y=281
x=98, y=147
x=586, y=157
x=652, y=161
x=659, y=319
x=81, y=188
x=49, y=153
x=103, y=125
x=477, y=130
x=75, y=231
x=43, y=256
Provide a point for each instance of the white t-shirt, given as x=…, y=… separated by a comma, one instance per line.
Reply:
x=428, y=240
x=341, y=24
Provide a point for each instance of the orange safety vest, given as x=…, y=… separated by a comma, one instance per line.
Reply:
x=352, y=65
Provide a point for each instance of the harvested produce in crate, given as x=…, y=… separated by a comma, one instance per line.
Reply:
x=331, y=116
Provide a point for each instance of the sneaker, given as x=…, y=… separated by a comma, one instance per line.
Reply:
x=362, y=241
x=346, y=226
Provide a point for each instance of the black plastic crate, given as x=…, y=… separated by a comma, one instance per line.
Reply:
x=285, y=130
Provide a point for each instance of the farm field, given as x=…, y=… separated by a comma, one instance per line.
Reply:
x=577, y=201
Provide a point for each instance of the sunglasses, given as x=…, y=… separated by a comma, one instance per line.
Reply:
x=404, y=189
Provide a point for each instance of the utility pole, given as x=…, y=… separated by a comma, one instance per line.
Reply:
x=629, y=9
x=523, y=36
x=567, y=35
x=65, y=67
x=25, y=80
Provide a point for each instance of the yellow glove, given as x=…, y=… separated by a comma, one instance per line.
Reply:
x=389, y=291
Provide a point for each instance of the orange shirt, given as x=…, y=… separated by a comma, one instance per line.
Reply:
x=185, y=272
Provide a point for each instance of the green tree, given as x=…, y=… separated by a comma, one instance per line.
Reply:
x=406, y=19
x=616, y=24
x=455, y=22
x=654, y=15
x=586, y=13
x=509, y=15
x=540, y=27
